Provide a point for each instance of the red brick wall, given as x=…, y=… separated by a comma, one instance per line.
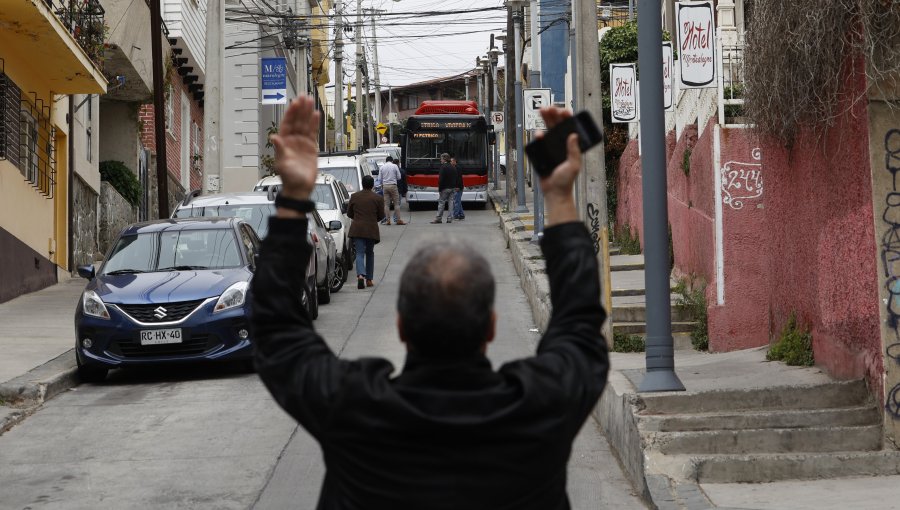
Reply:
x=173, y=138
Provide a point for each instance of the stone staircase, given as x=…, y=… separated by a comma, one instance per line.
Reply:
x=629, y=310
x=764, y=434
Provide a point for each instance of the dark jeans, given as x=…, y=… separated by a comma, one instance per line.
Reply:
x=365, y=257
x=458, y=213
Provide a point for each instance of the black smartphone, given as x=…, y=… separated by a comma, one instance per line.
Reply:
x=547, y=152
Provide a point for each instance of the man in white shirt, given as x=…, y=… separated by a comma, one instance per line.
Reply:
x=390, y=176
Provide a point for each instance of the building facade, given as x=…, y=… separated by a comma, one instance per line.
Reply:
x=56, y=53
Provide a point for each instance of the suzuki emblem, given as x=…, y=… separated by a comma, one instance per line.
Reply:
x=159, y=312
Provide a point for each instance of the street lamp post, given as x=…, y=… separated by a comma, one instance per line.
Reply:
x=516, y=6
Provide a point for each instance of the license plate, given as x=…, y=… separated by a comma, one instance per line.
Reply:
x=160, y=336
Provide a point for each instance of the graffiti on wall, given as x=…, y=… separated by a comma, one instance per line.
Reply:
x=742, y=181
x=890, y=257
x=593, y=215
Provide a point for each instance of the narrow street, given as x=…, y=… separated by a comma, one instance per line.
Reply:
x=211, y=437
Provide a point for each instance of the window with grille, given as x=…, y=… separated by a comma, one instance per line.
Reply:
x=27, y=137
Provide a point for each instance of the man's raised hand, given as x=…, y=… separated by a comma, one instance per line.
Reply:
x=297, y=148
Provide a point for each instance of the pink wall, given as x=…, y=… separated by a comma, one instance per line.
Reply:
x=798, y=236
x=821, y=247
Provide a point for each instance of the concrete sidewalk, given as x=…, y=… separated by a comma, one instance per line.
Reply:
x=705, y=376
x=37, y=335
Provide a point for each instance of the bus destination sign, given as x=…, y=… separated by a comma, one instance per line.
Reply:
x=450, y=124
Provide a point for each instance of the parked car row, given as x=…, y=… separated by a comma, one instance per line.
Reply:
x=176, y=290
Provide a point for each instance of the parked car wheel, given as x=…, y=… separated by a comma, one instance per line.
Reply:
x=338, y=277
x=91, y=374
x=325, y=292
x=313, y=302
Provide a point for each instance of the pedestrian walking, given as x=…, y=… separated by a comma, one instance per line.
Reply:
x=366, y=209
x=458, y=213
x=447, y=181
x=449, y=431
x=390, y=178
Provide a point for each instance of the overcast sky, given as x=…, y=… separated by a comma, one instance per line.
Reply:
x=421, y=47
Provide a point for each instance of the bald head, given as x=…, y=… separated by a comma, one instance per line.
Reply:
x=446, y=300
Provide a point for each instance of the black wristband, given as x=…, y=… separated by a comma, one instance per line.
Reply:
x=303, y=206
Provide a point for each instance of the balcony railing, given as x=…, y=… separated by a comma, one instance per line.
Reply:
x=86, y=21
x=731, y=83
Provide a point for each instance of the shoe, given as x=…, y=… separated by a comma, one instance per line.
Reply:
x=360, y=283
x=387, y=223
x=436, y=221
x=370, y=283
x=400, y=222
x=449, y=220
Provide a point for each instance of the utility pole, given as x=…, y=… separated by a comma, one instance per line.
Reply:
x=373, y=12
x=390, y=114
x=509, y=108
x=517, y=6
x=159, y=111
x=367, y=124
x=214, y=100
x=535, y=82
x=358, y=29
x=339, y=120
x=467, y=87
x=660, y=354
x=592, y=180
x=494, y=55
x=301, y=65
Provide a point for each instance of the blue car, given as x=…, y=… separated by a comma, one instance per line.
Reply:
x=170, y=290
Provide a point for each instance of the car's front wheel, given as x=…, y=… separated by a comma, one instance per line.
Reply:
x=338, y=277
x=91, y=374
x=325, y=291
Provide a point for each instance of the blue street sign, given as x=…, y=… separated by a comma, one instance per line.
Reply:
x=273, y=72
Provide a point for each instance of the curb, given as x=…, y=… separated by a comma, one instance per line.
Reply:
x=617, y=408
x=40, y=384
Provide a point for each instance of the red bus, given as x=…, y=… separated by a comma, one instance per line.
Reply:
x=453, y=127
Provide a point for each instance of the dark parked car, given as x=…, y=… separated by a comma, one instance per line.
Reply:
x=169, y=291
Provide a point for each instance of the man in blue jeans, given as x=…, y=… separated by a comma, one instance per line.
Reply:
x=458, y=213
x=366, y=209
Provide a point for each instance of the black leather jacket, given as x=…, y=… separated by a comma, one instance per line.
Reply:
x=444, y=434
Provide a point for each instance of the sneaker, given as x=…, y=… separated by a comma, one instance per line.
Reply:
x=400, y=222
x=370, y=283
x=449, y=221
x=360, y=283
x=437, y=221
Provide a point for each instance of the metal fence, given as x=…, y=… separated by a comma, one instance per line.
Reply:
x=86, y=21
x=614, y=15
x=27, y=137
x=731, y=83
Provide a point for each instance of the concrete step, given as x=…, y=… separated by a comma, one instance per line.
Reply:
x=626, y=263
x=773, y=467
x=813, y=439
x=813, y=396
x=640, y=328
x=638, y=313
x=785, y=418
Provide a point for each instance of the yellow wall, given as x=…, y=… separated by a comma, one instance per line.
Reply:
x=24, y=212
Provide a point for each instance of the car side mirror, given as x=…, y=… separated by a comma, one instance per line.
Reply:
x=335, y=225
x=343, y=207
x=87, y=271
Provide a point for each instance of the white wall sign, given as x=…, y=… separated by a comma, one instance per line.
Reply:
x=668, y=81
x=534, y=100
x=696, y=44
x=623, y=92
x=497, y=121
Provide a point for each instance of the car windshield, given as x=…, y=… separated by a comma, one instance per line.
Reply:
x=348, y=175
x=424, y=149
x=174, y=250
x=323, y=197
x=257, y=215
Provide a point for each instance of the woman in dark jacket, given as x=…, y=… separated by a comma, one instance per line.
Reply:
x=366, y=209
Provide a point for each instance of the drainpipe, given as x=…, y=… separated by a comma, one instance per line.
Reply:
x=70, y=179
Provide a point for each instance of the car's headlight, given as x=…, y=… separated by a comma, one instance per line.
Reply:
x=233, y=297
x=92, y=305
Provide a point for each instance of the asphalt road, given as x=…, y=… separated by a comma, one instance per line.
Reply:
x=211, y=437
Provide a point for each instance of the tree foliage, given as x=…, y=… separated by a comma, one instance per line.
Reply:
x=122, y=179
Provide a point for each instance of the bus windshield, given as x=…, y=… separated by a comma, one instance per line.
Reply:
x=424, y=149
